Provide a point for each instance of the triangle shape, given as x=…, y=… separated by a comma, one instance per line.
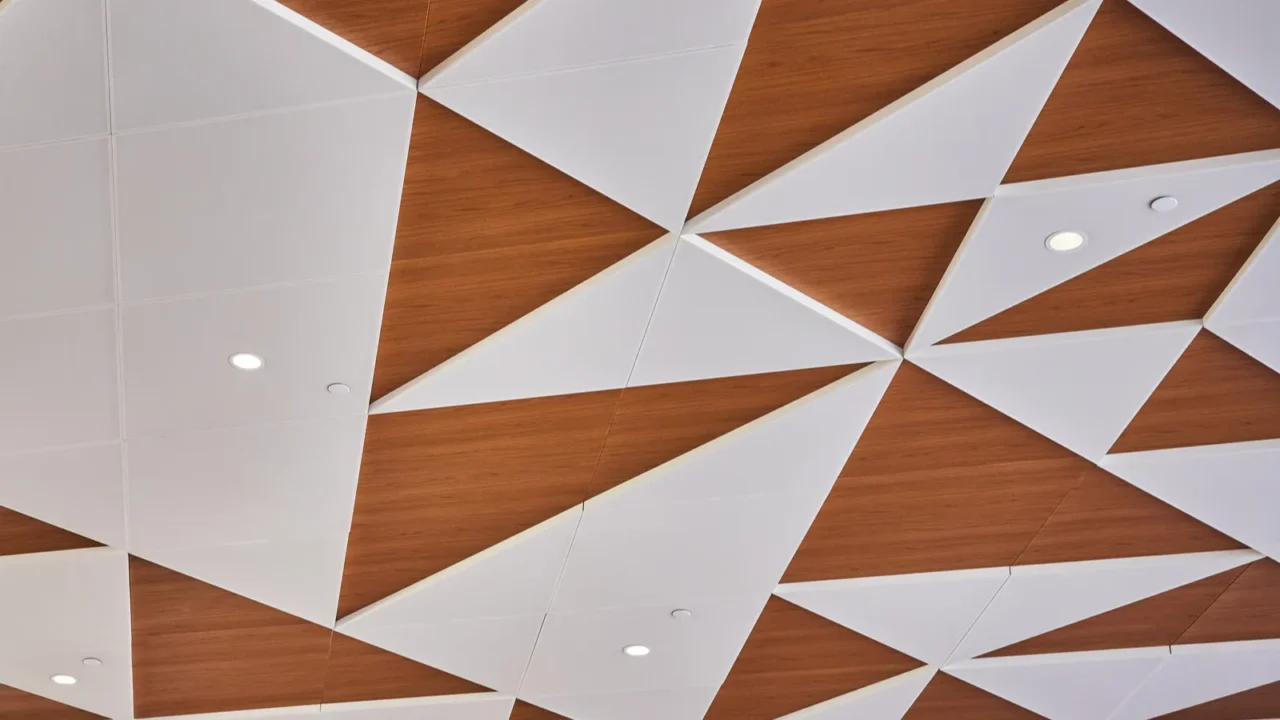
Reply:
x=946, y=698
x=1195, y=674
x=1040, y=598
x=1261, y=340
x=1067, y=686
x=525, y=711
x=1246, y=611
x=584, y=340
x=21, y=535
x=923, y=615
x=394, y=34
x=950, y=140
x=18, y=704
x=718, y=316
x=358, y=672
x=1079, y=389
x=1004, y=259
x=1229, y=487
x=1252, y=294
x=886, y=700
x=671, y=703
x=1259, y=702
x=76, y=489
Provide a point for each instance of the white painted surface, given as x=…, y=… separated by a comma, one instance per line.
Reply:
x=1195, y=674
x=886, y=700
x=76, y=488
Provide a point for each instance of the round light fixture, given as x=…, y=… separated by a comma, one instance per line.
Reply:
x=635, y=650
x=92, y=662
x=338, y=389
x=1065, y=241
x=1164, y=203
x=681, y=614
x=63, y=679
x=245, y=361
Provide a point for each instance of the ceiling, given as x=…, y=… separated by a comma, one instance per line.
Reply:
x=875, y=359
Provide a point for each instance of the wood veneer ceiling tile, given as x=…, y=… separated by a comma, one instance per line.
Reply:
x=21, y=534
x=1153, y=621
x=877, y=269
x=437, y=486
x=1134, y=94
x=1213, y=394
x=390, y=29
x=1248, y=610
x=20, y=705
x=358, y=671
x=938, y=481
x=1105, y=517
x=1175, y=277
x=1260, y=702
x=814, y=68
x=794, y=659
x=451, y=24
x=200, y=649
x=946, y=698
x=487, y=233
x=525, y=711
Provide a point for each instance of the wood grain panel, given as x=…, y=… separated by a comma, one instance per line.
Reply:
x=814, y=68
x=200, y=649
x=21, y=534
x=487, y=234
x=1175, y=277
x=1213, y=394
x=525, y=711
x=656, y=423
x=1106, y=517
x=451, y=24
x=390, y=29
x=1260, y=702
x=1158, y=620
x=946, y=698
x=437, y=486
x=1134, y=94
x=938, y=481
x=1248, y=610
x=358, y=671
x=794, y=659
x=20, y=705
x=877, y=269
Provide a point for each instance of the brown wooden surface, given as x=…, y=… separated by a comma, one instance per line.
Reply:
x=1106, y=517
x=938, y=481
x=451, y=24
x=358, y=671
x=1213, y=394
x=20, y=705
x=813, y=68
x=1158, y=620
x=877, y=269
x=21, y=534
x=946, y=698
x=794, y=659
x=1248, y=610
x=1256, y=704
x=525, y=711
x=200, y=649
x=1134, y=94
x=1175, y=277
x=390, y=29
x=487, y=234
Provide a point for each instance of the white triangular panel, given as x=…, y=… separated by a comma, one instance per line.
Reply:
x=474, y=706
x=1003, y=259
x=924, y=615
x=1080, y=389
x=1260, y=340
x=952, y=139
x=76, y=489
x=1064, y=686
x=1239, y=36
x=719, y=317
x=886, y=700
x=1040, y=598
x=637, y=131
x=1254, y=293
x=1232, y=488
x=584, y=340
x=677, y=703
x=1196, y=674
x=57, y=608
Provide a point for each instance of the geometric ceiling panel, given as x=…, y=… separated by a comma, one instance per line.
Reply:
x=682, y=703
x=1260, y=702
x=393, y=33
x=18, y=704
x=23, y=535
x=1261, y=340
x=946, y=698
x=1004, y=259
x=1246, y=611
x=1252, y=294
x=525, y=711
x=451, y=25
x=360, y=672
x=1080, y=389
x=1195, y=674
x=1106, y=112
x=886, y=700
x=949, y=140
x=718, y=316
x=77, y=489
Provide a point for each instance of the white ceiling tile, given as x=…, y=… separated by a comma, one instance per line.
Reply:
x=268, y=199
x=583, y=340
x=477, y=706
x=176, y=61
x=53, y=73
x=1003, y=259
x=77, y=489
x=1254, y=293
x=55, y=259
x=886, y=700
x=58, y=381
x=59, y=607
x=553, y=35
x=680, y=703
x=637, y=131
x=951, y=139
x=717, y=316
x=924, y=615
x=1231, y=487
x=1195, y=674
x=1064, y=686
x=1080, y=389
x=1039, y=598
x=1260, y=340
x=178, y=378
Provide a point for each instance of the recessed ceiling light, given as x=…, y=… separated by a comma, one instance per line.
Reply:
x=1065, y=241
x=338, y=389
x=681, y=614
x=63, y=679
x=92, y=662
x=1164, y=203
x=636, y=650
x=245, y=361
